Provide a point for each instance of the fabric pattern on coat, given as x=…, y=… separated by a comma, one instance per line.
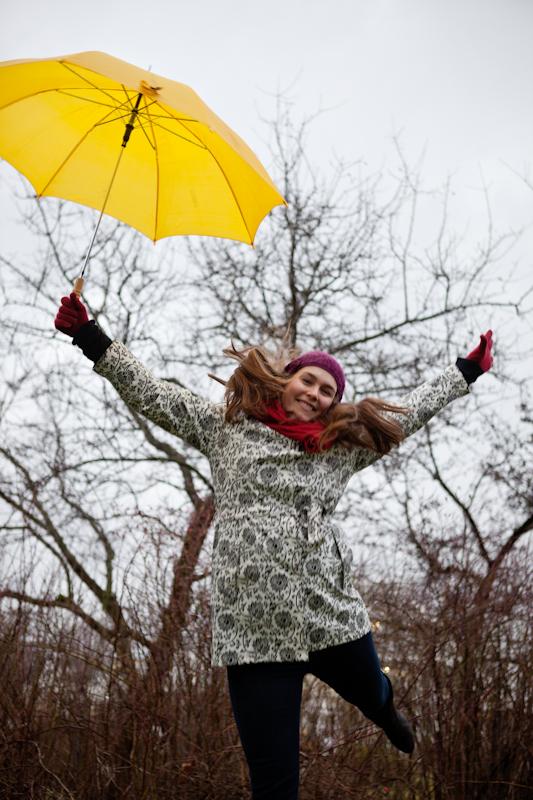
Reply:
x=282, y=578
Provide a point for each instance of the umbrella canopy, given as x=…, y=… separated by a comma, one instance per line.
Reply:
x=64, y=123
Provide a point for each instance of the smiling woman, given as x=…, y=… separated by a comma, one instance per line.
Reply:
x=284, y=601
x=301, y=398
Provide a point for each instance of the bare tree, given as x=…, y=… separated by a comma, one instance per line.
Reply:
x=106, y=518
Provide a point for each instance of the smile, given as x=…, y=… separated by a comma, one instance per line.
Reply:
x=306, y=405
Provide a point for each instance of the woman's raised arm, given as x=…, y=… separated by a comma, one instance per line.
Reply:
x=428, y=399
x=174, y=409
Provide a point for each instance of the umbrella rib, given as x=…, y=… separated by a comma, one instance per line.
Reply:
x=200, y=144
x=172, y=116
x=47, y=91
x=156, y=222
x=129, y=100
x=124, y=116
x=69, y=93
x=71, y=153
x=142, y=127
x=146, y=103
x=230, y=187
x=120, y=116
x=153, y=117
x=203, y=146
x=125, y=92
x=114, y=119
x=140, y=115
x=83, y=78
x=60, y=167
x=182, y=123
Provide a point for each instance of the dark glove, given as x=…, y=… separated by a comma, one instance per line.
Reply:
x=92, y=341
x=71, y=315
x=72, y=319
x=482, y=354
x=479, y=360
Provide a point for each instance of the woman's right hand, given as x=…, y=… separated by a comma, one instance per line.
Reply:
x=71, y=315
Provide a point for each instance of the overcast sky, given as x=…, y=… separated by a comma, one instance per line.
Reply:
x=453, y=76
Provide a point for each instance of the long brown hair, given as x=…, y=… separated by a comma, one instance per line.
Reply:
x=259, y=381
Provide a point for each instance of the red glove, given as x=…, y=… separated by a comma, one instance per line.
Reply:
x=482, y=354
x=71, y=315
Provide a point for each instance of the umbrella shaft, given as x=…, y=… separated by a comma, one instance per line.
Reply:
x=125, y=139
x=101, y=212
x=131, y=121
x=92, y=242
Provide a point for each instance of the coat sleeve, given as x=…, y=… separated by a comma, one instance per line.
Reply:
x=422, y=404
x=174, y=409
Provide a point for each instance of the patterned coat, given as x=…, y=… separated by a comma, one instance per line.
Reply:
x=282, y=571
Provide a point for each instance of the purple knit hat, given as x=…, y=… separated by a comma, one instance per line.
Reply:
x=316, y=358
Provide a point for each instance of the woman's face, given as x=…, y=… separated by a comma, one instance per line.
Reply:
x=309, y=393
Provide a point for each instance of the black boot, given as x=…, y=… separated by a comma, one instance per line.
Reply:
x=395, y=726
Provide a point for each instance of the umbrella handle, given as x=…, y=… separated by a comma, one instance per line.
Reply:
x=78, y=286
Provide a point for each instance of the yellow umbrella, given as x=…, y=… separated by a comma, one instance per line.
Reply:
x=65, y=123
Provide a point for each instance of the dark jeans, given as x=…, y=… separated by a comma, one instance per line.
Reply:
x=266, y=705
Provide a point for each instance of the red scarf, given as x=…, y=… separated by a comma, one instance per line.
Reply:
x=305, y=432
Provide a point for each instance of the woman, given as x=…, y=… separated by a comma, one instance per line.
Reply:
x=281, y=453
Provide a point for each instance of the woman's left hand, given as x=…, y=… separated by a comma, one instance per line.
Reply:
x=482, y=354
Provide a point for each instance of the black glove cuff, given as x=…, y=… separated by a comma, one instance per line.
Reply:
x=469, y=369
x=92, y=340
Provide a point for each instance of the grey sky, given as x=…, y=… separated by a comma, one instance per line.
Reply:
x=453, y=76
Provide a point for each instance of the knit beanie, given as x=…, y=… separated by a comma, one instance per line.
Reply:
x=316, y=358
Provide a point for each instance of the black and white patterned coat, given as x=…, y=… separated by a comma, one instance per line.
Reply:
x=282, y=575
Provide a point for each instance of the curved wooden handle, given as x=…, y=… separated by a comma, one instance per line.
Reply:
x=78, y=286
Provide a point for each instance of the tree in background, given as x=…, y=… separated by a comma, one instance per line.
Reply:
x=106, y=519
